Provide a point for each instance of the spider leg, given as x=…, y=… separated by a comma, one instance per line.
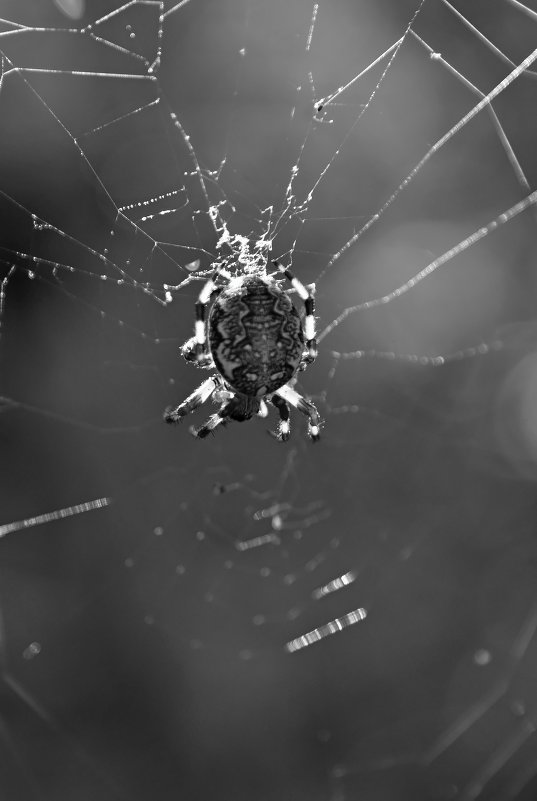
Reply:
x=305, y=406
x=197, y=346
x=310, y=354
x=283, y=409
x=213, y=421
x=263, y=411
x=199, y=396
x=225, y=413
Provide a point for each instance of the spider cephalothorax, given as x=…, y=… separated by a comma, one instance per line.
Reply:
x=256, y=344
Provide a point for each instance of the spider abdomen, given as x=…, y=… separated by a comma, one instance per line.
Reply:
x=255, y=336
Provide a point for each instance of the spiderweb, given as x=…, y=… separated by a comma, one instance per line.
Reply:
x=240, y=618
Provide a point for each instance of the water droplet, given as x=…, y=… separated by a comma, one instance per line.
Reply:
x=482, y=657
x=32, y=650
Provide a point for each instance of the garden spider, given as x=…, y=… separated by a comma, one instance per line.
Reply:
x=256, y=345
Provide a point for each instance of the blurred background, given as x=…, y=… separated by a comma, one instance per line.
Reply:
x=144, y=643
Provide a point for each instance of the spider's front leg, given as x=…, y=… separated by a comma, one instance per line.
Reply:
x=310, y=353
x=195, y=349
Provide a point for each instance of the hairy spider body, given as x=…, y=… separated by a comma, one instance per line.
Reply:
x=255, y=336
x=255, y=341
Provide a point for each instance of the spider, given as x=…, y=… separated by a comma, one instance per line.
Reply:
x=256, y=345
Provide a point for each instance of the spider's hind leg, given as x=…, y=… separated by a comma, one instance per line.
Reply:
x=236, y=407
x=284, y=428
x=305, y=406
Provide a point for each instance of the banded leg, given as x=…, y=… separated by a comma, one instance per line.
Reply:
x=310, y=353
x=228, y=411
x=196, y=348
x=213, y=421
x=199, y=396
x=283, y=409
x=263, y=411
x=305, y=406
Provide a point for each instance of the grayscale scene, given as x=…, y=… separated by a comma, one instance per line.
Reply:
x=268, y=395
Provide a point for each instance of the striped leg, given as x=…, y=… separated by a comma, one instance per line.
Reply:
x=196, y=348
x=306, y=407
x=204, y=430
x=199, y=396
x=310, y=353
x=283, y=409
x=231, y=409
